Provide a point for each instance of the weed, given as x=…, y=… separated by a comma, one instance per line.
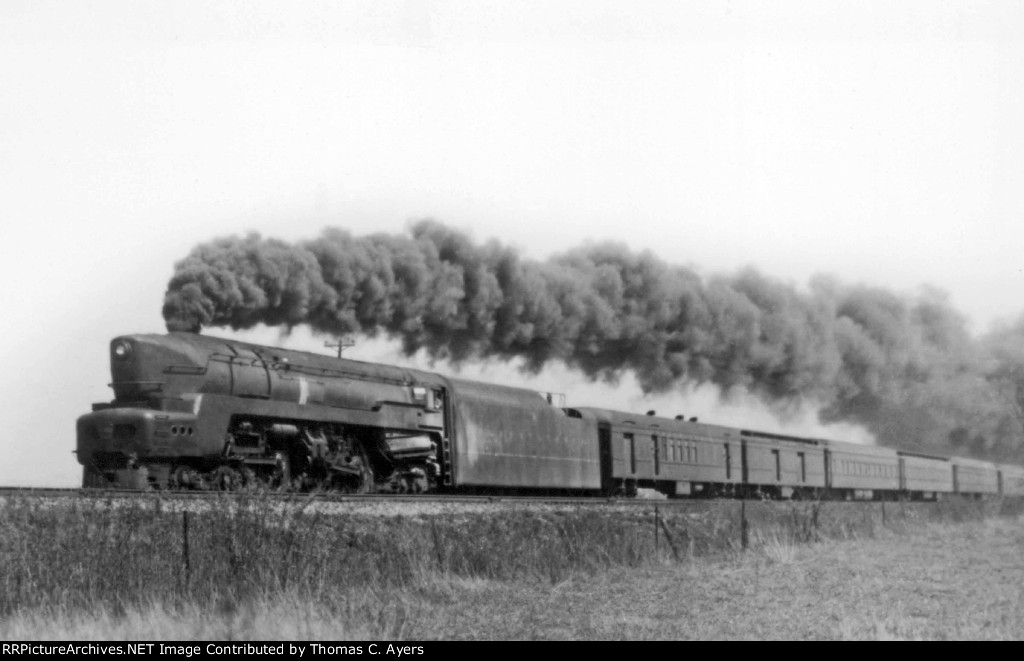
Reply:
x=778, y=546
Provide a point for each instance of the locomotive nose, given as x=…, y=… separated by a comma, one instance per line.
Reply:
x=129, y=381
x=109, y=438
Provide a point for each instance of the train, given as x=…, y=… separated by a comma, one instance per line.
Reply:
x=196, y=412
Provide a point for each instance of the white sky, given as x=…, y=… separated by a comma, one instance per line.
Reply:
x=880, y=142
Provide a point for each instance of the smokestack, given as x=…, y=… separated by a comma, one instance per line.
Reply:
x=183, y=325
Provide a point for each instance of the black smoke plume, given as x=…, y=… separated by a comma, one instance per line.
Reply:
x=905, y=367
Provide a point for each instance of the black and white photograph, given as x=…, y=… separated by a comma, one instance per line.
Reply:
x=357, y=327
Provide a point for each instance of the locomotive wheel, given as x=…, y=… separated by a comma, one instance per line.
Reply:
x=362, y=483
x=365, y=476
x=226, y=478
x=282, y=476
x=184, y=478
x=93, y=478
x=249, y=479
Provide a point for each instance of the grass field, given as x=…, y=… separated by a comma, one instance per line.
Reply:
x=257, y=570
x=938, y=581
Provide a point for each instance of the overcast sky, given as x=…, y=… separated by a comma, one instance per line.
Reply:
x=880, y=142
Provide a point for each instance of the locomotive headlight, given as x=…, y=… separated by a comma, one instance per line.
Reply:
x=122, y=349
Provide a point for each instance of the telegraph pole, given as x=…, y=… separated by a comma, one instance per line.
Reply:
x=341, y=345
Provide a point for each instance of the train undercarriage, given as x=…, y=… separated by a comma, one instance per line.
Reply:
x=287, y=455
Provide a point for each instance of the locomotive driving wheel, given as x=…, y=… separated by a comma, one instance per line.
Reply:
x=281, y=478
x=227, y=478
x=355, y=475
x=365, y=480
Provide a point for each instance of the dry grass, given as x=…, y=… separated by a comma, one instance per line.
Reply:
x=283, y=616
x=777, y=547
x=939, y=581
x=89, y=570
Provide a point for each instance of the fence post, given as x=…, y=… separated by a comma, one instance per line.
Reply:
x=744, y=534
x=671, y=542
x=656, y=521
x=437, y=546
x=184, y=547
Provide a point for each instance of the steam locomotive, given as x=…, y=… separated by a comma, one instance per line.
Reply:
x=196, y=412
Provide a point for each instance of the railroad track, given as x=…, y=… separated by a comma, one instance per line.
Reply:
x=104, y=494
x=328, y=497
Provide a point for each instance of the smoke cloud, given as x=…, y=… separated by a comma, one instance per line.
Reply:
x=905, y=367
